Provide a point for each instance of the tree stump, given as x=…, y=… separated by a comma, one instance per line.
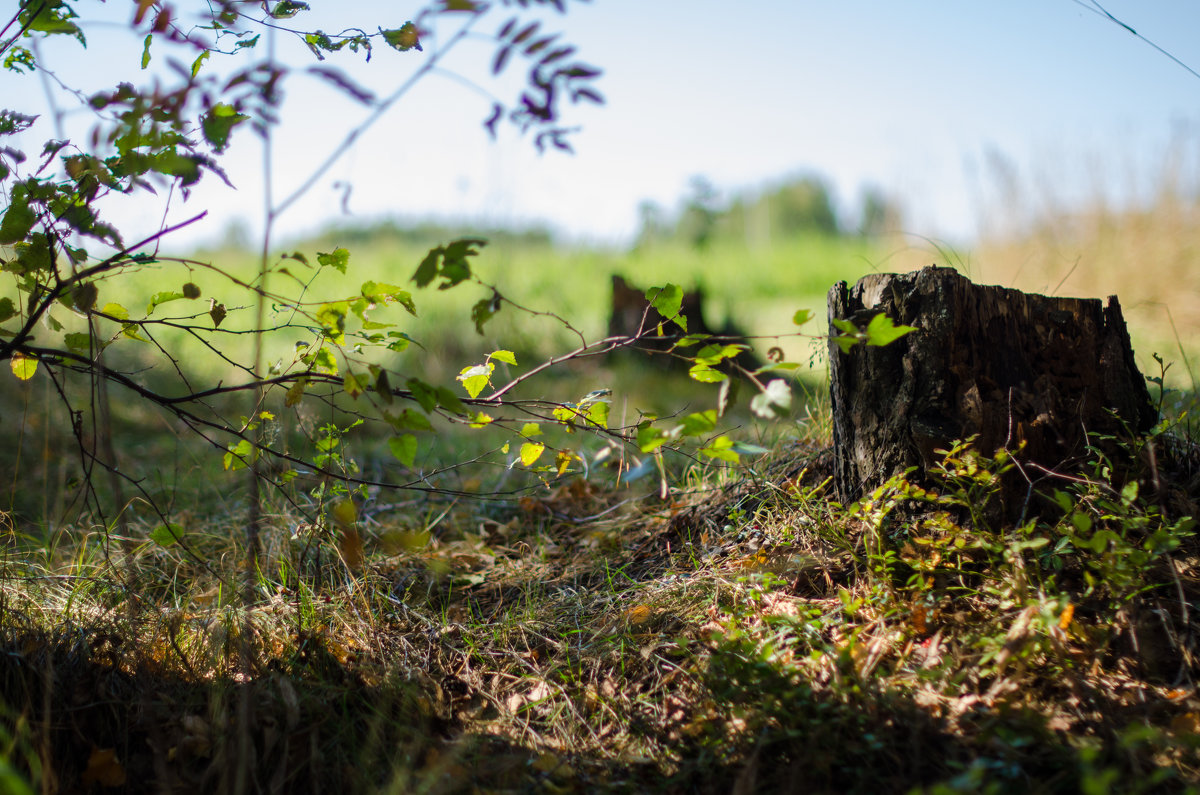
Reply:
x=998, y=364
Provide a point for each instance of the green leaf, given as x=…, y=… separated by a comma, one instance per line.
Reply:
x=668, y=300
x=771, y=367
x=217, y=313
x=531, y=429
x=336, y=258
x=802, y=316
x=162, y=298
x=846, y=342
x=720, y=448
x=428, y=269
x=399, y=341
x=115, y=311
x=238, y=456
x=882, y=331
x=508, y=357
x=19, y=218
x=78, y=341
x=476, y=378
x=146, y=50
x=53, y=18
x=715, y=354
x=383, y=384
x=423, y=393
x=7, y=309
x=531, y=452
x=650, y=438
x=482, y=311
x=285, y=9
x=404, y=38
x=332, y=317
x=774, y=401
x=186, y=167
x=699, y=424
x=449, y=401
x=218, y=123
x=324, y=361
x=167, y=534
x=409, y=420
x=131, y=330
x=404, y=448
x=598, y=413
x=200, y=59
x=383, y=293
x=14, y=122
x=846, y=326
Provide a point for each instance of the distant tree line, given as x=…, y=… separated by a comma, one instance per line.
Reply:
x=799, y=205
x=417, y=233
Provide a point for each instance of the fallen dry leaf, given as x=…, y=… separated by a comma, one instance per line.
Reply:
x=104, y=769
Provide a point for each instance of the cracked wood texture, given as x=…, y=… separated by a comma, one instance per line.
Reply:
x=1007, y=366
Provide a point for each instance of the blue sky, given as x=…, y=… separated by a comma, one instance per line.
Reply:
x=922, y=99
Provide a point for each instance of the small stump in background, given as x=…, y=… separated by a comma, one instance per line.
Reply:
x=998, y=364
x=632, y=314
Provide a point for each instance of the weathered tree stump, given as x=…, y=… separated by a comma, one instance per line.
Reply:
x=998, y=364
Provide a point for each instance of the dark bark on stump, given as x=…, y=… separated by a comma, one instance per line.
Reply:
x=1005, y=366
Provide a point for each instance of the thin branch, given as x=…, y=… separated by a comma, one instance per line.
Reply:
x=48, y=300
x=376, y=114
x=1100, y=11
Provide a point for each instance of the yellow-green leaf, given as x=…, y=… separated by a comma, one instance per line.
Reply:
x=598, y=413
x=882, y=331
x=295, y=393
x=115, y=310
x=721, y=449
x=562, y=461
x=23, y=366
x=706, y=374
x=356, y=384
x=238, y=456
x=338, y=258
x=531, y=452
x=475, y=379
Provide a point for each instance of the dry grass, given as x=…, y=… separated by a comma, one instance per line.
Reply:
x=745, y=634
x=1148, y=256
